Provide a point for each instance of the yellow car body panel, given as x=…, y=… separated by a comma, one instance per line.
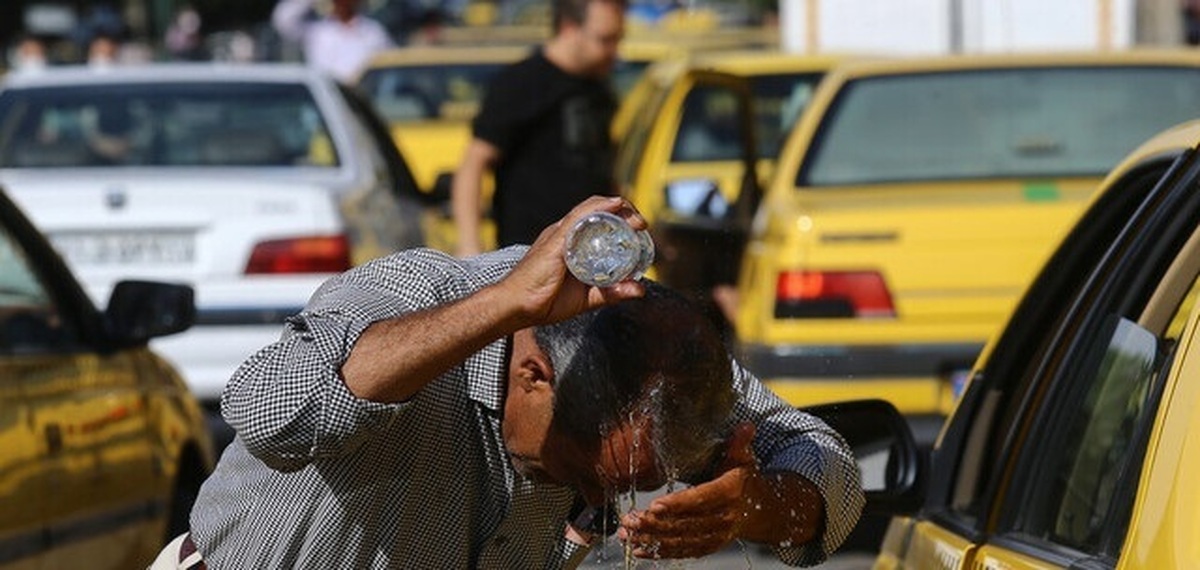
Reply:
x=1163, y=521
x=77, y=430
x=955, y=253
x=658, y=102
x=933, y=548
x=431, y=124
x=862, y=227
x=991, y=557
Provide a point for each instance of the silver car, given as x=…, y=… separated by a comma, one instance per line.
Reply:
x=251, y=183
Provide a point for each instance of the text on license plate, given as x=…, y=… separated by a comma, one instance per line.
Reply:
x=126, y=248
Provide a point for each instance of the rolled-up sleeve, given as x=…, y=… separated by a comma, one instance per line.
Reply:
x=288, y=402
x=788, y=440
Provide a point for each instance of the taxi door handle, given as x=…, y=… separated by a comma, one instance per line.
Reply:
x=54, y=438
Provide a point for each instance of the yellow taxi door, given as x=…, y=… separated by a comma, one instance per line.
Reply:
x=693, y=136
x=1053, y=454
x=101, y=488
x=75, y=474
x=935, y=548
x=687, y=163
x=22, y=488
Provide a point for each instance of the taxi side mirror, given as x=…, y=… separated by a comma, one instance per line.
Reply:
x=140, y=310
x=696, y=198
x=893, y=468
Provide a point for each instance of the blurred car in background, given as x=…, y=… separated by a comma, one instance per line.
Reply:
x=429, y=96
x=916, y=199
x=252, y=183
x=104, y=446
x=690, y=125
x=1074, y=443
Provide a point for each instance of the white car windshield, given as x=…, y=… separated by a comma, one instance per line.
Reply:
x=147, y=124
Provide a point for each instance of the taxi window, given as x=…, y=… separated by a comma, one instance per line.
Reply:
x=626, y=75
x=1094, y=436
x=184, y=124
x=1069, y=121
x=422, y=92
x=778, y=101
x=709, y=129
x=996, y=407
x=633, y=147
x=29, y=319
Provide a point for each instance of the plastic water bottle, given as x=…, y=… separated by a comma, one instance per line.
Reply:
x=603, y=250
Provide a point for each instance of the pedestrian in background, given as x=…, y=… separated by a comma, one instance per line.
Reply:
x=340, y=43
x=425, y=411
x=543, y=129
x=30, y=55
x=1190, y=11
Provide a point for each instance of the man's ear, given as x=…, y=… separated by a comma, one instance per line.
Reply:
x=540, y=369
x=534, y=370
x=530, y=366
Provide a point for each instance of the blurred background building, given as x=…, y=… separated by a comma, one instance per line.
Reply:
x=240, y=29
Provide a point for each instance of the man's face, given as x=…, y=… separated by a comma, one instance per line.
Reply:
x=622, y=461
x=597, y=38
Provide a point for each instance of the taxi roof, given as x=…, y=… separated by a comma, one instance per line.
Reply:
x=933, y=63
x=447, y=54
x=1168, y=143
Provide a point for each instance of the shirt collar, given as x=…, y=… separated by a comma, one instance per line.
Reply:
x=488, y=386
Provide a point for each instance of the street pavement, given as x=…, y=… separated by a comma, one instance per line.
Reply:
x=735, y=557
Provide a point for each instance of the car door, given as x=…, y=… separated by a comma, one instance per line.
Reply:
x=1078, y=474
x=1040, y=464
x=688, y=163
x=22, y=487
x=84, y=431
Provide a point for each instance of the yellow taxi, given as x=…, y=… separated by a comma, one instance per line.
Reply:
x=428, y=96
x=914, y=201
x=104, y=448
x=1076, y=442
x=696, y=130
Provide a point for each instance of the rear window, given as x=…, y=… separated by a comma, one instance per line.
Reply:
x=778, y=100
x=423, y=92
x=1011, y=123
x=186, y=124
x=708, y=130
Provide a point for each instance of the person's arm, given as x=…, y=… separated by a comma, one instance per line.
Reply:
x=288, y=18
x=466, y=194
x=364, y=345
x=788, y=481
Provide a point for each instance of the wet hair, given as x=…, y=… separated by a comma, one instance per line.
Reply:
x=657, y=355
x=574, y=11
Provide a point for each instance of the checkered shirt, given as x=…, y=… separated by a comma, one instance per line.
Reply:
x=318, y=479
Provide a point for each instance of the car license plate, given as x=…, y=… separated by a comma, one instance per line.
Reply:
x=126, y=248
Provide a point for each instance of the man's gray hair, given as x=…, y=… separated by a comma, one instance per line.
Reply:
x=658, y=355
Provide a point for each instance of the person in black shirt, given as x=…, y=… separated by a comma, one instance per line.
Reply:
x=543, y=129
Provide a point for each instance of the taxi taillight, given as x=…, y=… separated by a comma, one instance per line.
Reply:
x=312, y=254
x=832, y=294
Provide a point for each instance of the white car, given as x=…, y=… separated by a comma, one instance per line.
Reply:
x=251, y=183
